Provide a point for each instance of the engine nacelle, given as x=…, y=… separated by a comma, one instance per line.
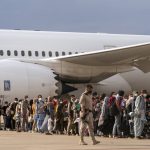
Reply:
x=18, y=79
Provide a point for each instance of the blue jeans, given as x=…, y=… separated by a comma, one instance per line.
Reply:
x=40, y=120
x=117, y=125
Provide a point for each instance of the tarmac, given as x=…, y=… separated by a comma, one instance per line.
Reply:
x=11, y=140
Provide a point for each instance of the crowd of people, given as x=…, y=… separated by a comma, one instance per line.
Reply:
x=116, y=115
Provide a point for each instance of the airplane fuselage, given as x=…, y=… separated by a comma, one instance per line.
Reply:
x=37, y=45
x=40, y=44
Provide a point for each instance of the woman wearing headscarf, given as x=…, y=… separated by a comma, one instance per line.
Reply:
x=139, y=114
x=104, y=117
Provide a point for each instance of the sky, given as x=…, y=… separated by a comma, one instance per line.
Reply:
x=106, y=16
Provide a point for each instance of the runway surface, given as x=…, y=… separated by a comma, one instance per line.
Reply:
x=11, y=140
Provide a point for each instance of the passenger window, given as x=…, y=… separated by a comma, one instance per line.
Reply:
x=57, y=54
x=16, y=53
x=22, y=53
x=43, y=53
x=29, y=53
x=8, y=53
x=50, y=54
x=70, y=53
x=36, y=53
x=63, y=53
x=1, y=52
x=76, y=52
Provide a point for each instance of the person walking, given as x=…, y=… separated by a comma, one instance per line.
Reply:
x=86, y=115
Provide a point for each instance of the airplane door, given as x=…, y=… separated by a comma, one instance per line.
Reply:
x=5, y=88
x=6, y=85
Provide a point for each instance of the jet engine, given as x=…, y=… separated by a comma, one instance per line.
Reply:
x=18, y=79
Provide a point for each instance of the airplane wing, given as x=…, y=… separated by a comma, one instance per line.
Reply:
x=132, y=55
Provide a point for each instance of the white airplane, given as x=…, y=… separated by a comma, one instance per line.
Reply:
x=54, y=63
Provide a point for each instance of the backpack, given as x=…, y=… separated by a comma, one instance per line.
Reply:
x=113, y=110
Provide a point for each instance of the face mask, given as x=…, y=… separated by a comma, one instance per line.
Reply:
x=144, y=95
x=40, y=99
